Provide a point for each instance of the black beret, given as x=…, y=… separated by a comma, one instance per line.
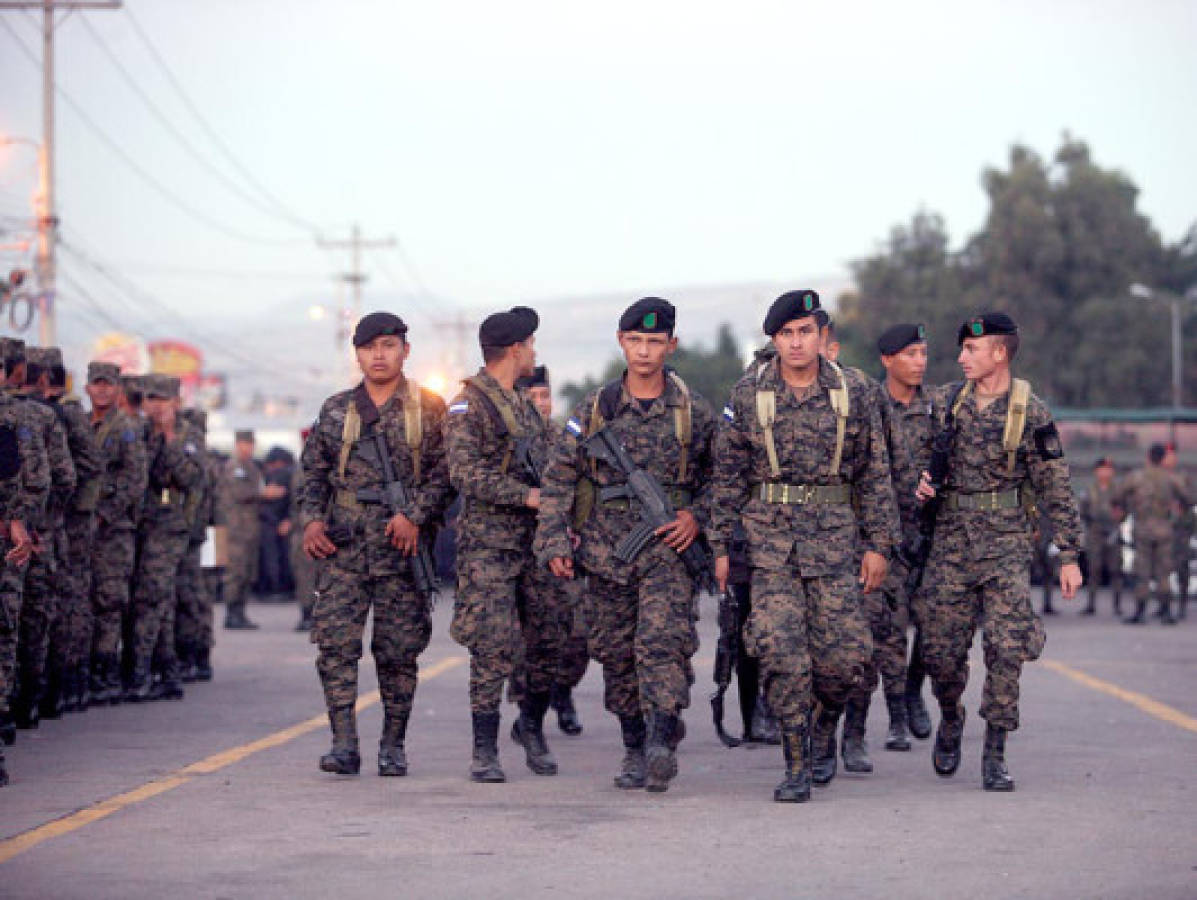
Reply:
x=538, y=378
x=897, y=338
x=1103, y=461
x=649, y=314
x=790, y=306
x=506, y=328
x=243, y=436
x=986, y=323
x=376, y=324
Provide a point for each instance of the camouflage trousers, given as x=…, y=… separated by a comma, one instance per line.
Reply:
x=1153, y=562
x=12, y=585
x=193, y=622
x=507, y=615
x=155, y=598
x=112, y=570
x=241, y=571
x=41, y=605
x=959, y=594
x=402, y=629
x=889, y=616
x=72, y=631
x=545, y=619
x=811, y=636
x=643, y=633
x=575, y=653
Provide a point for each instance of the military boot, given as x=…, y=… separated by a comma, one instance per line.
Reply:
x=917, y=718
x=26, y=707
x=203, y=664
x=101, y=691
x=567, y=716
x=995, y=776
x=72, y=697
x=3, y=770
x=235, y=619
x=632, y=771
x=1183, y=608
x=485, y=767
x=1140, y=615
x=392, y=759
x=660, y=750
x=946, y=755
x=1165, y=613
x=855, y=750
x=8, y=729
x=897, y=737
x=84, y=686
x=528, y=730
x=141, y=684
x=343, y=758
x=171, y=686
x=112, y=674
x=764, y=728
x=1117, y=602
x=186, y=654
x=795, y=788
x=51, y=704
x=823, y=764
x=1090, y=607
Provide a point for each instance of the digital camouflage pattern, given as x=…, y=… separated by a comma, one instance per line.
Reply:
x=366, y=570
x=641, y=616
x=240, y=496
x=979, y=569
x=1154, y=496
x=807, y=624
x=193, y=622
x=503, y=612
x=303, y=567
x=1100, y=520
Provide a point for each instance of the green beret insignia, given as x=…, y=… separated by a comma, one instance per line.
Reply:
x=650, y=320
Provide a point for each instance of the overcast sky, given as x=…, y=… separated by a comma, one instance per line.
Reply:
x=533, y=150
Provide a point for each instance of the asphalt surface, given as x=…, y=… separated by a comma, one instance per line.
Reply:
x=1104, y=806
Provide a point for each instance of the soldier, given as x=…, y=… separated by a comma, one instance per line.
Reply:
x=24, y=488
x=122, y=490
x=243, y=492
x=44, y=584
x=193, y=623
x=574, y=657
x=641, y=612
x=1182, y=533
x=801, y=442
x=502, y=614
x=174, y=464
x=367, y=547
x=1153, y=495
x=71, y=639
x=1003, y=444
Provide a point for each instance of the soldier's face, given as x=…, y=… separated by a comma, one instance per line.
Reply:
x=542, y=398
x=102, y=394
x=525, y=357
x=158, y=409
x=980, y=357
x=244, y=450
x=646, y=352
x=798, y=343
x=907, y=366
x=382, y=359
x=1104, y=475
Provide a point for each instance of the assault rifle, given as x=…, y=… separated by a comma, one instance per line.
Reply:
x=727, y=654
x=525, y=462
x=394, y=498
x=655, y=509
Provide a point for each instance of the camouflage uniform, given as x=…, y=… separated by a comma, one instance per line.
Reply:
x=122, y=491
x=978, y=572
x=366, y=571
x=1103, y=547
x=241, y=493
x=1152, y=495
x=641, y=616
x=193, y=623
x=807, y=624
x=1182, y=545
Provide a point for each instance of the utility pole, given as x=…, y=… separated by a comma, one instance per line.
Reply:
x=47, y=219
x=355, y=277
x=460, y=329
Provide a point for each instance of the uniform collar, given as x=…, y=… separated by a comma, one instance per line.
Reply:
x=826, y=377
x=671, y=396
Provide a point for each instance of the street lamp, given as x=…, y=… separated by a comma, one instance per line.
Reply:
x=1143, y=292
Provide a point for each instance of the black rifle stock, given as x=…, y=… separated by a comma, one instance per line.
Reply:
x=727, y=654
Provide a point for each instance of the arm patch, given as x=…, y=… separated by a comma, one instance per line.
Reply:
x=1047, y=441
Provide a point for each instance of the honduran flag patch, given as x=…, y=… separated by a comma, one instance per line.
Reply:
x=574, y=427
x=729, y=413
x=460, y=407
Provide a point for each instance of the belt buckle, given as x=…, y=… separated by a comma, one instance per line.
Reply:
x=785, y=493
x=807, y=492
x=993, y=500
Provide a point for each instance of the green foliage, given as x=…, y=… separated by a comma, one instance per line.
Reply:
x=709, y=372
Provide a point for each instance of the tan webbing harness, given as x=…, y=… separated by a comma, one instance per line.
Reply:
x=766, y=415
x=413, y=427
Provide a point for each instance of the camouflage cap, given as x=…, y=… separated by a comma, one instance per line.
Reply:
x=196, y=416
x=43, y=357
x=103, y=371
x=12, y=349
x=133, y=384
x=163, y=387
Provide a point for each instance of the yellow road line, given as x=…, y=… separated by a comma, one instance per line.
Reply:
x=76, y=820
x=1152, y=707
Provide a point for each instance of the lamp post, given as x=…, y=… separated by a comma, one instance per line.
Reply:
x=1143, y=292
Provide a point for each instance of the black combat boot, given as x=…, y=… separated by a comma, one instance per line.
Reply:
x=897, y=737
x=343, y=758
x=795, y=788
x=528, y=731
x=171, y=686
x=101, y=692
x=917, y=718
x=304, y=623
x=141, y=684
x=563, y=704
x=485, y=767
x=1117, y=598
x=764, y=728
x=8, y=729
x=660, y=750
x=203, y=664
x=51, y=703
x=3, y=770
x=392, y=759
x=946, y=755
x=823, y=764
x=995, y=776
x=1140, y=615
x=26, y=707
x=1165, y=613
x=84, y=686
x=235, y=619
x=1183, y=608
x=112, y=674
x=632, y=771
x=186, y=654
x=855, y=750
x=71, y=697
x=1090, y=607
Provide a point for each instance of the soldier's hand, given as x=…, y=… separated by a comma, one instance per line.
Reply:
x=284, y=528
x=924, y=491
x=1070, y=580
x=562, y=566
x=273, y=492
x=316, y=543
x=22, y=544
x=681, y=532
x=722, y=572
x=873, y=567
x=532, y=501
x=404, y=534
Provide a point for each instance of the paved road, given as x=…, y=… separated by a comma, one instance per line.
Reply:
x=192, y=802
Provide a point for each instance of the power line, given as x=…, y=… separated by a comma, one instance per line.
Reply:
x=137, y=169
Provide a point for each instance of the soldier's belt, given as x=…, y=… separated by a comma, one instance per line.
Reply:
x=348, y=500
x=983, y=500
x=617, y=496
x=803, y=494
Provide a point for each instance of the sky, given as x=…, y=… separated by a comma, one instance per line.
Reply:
x=540, y=151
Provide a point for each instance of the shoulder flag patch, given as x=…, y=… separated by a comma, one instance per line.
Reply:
x=462, y=406
x=729, y=413
x=574, y=427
